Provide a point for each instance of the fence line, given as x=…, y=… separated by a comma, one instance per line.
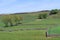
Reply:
x=40, y=24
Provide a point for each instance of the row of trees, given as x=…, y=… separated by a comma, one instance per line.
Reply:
x=45, y=15
x=11, y=20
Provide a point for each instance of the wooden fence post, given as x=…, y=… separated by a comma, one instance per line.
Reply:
x=46, y=34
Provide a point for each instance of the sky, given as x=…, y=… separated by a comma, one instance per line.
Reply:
x=14, y=6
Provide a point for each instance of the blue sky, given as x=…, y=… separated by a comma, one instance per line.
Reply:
x=13, y=6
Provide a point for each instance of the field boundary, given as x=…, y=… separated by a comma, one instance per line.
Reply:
x=52, y=35
x=22, y=29
x=40, y=24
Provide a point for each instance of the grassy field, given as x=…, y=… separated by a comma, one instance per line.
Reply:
x=31, y=21
x=26, y=35
x=23, y=35
x=54, y=30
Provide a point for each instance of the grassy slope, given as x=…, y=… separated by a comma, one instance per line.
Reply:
x=27, y=18
x=56, y=28
x=26, y=35
x=32, y=35
x=23, y=35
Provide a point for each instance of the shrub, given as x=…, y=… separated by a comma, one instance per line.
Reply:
x=54, y=11
x=45, y=15
x=42, y=16
x=17, y=19
x=11, y=20
x=5, y=20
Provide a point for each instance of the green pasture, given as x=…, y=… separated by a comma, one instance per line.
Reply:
x=52, y=23
x=54, y=30
x=43, y=23
x=26, y=35
x=23, y=35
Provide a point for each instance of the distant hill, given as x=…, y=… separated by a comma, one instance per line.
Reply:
x=33, y=12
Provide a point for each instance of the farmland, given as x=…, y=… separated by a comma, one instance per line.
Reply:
x=30, y=20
